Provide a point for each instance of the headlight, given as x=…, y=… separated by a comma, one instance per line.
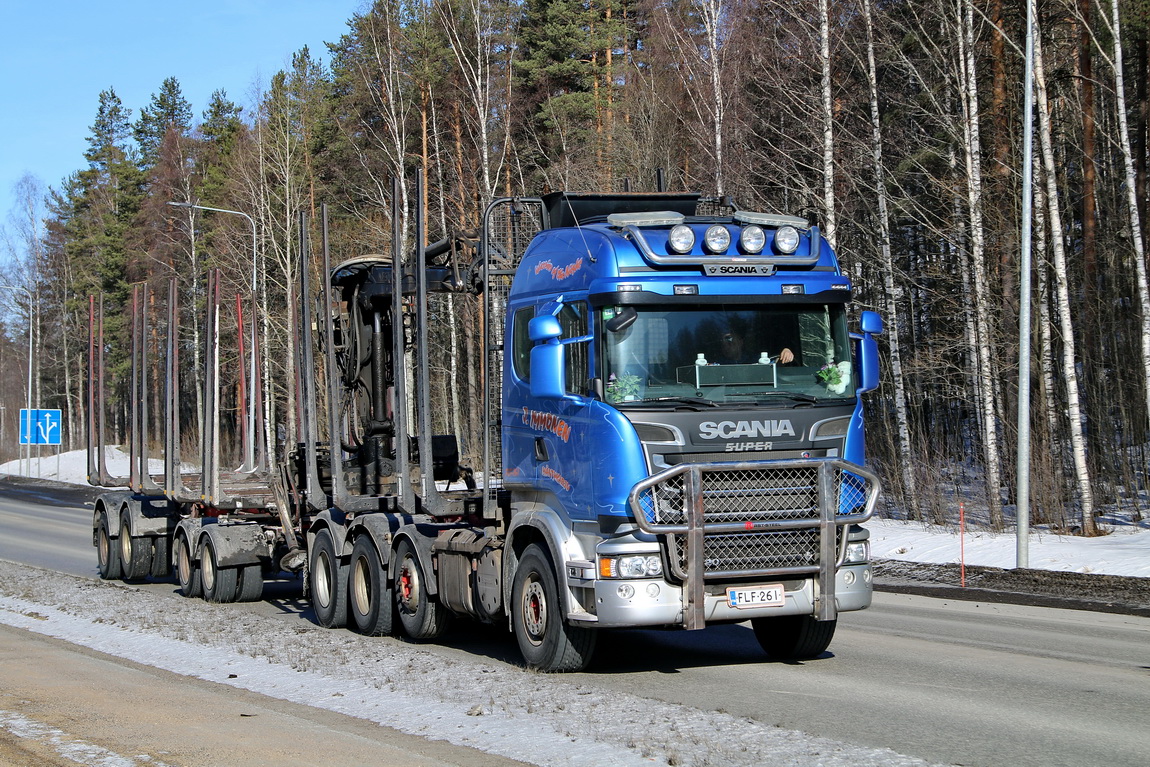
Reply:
x=717, y=239
x=631, y=567
x=857, y=553
x=681, y=239
x=753, y=239
x=786, y=239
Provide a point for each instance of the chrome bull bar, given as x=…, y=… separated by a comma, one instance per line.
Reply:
x=751, y=519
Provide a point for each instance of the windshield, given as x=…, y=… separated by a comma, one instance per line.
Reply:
x=726, y=353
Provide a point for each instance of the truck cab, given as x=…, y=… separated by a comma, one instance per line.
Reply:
x=681, y=412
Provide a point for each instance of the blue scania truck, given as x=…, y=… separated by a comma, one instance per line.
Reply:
x=672, y=436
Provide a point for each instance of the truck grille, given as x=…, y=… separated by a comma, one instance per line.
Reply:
x=755, y=518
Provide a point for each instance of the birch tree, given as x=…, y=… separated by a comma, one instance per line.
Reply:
x=1062, y=296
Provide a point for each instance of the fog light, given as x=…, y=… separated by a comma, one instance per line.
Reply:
x=717, y=239
x=681, y=239
x=652, y=590
x=849, y=577
x=626, y=591
x=866, y=576
x=786, y=239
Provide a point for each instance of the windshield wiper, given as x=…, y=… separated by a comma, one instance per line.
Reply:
x=686, y=400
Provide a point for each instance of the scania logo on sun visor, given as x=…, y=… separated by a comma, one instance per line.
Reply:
x=745, y=429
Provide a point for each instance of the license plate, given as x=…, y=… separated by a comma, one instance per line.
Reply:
x=756, y=596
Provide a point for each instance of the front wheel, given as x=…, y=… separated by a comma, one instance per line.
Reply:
x=371, y=601
x=548, y=643
x=793, y=637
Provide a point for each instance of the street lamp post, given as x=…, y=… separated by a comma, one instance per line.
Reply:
x=249, y=458
x=28, y=470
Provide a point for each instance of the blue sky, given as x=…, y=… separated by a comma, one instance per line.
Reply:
x=57, y=55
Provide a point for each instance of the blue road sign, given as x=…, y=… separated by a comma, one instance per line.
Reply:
x=40, y=427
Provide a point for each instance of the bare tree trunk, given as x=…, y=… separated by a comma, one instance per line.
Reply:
x=1132, y=200
x=893, y=288
x=984, y=342
x=1062, y=294
x=829, y=225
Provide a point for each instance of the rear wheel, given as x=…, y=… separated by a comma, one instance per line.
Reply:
x=420, y=616
x=548, y=643
x=328, y=582
x=135, y=552
x=107, y=551
x=371, y=600
x=251, y=583
x=188, y=571
x=794, y=637
x=161, y=556
x=219, y=582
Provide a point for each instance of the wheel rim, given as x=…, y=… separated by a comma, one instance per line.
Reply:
x=322, y=586
x=208, y=569
x=409, y=586
x=184, y=562
x=361, y=595
x=104, y=547
x=534, y=611
x=125, y=547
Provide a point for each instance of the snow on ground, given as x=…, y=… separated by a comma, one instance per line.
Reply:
x=464, y=699
x=1124, y=551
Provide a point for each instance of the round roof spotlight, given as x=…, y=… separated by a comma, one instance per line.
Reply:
x=786, y=239
x=752, y=239
x=717, y=239
x=681, y=239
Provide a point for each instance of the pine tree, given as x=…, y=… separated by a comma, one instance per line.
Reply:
x=169, y=110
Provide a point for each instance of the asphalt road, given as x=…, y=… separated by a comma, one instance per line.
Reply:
x=949, y=681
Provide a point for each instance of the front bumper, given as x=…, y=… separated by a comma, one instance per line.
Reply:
x=665, y=607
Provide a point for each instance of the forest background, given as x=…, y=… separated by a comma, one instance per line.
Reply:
x=897, y=124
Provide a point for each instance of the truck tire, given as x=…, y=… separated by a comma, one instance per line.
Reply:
x=187, y=570
x=371, y=600
x=250, y=587
x=420, y=615
x=793, y=637
x=161, y=556
x=328, y=583
x=135, y=552
x=219, y=582
x=107, y=551
x=547, y=642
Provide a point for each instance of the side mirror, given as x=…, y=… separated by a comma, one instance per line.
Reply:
x=544, y=328
x=547, y=371
x=547, y=368
x=871, y=324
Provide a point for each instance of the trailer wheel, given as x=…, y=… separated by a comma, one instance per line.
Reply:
x=420, y=616
x=135, y=552
x=161, y=556
x=328, y=583
x=107, y=551
x=219, y=582
x=191, y=584
x=371, y=600
x=793, y=637
x=251, y=583
x=547, y=642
